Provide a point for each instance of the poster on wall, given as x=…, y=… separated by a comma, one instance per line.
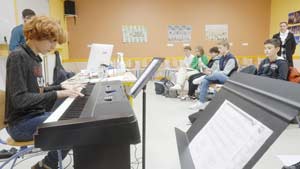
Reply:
x=294, y=17
x=294, y=29
x=297, y=39
x=134, y=34
x=179, y=33
x=216, y=32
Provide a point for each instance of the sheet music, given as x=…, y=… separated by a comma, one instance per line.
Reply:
x=289, y=159
x=228, y=140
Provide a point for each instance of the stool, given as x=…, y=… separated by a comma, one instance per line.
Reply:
x=25, y=147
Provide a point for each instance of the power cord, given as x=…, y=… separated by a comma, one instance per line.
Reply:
x=137, y=161
x=40, y=153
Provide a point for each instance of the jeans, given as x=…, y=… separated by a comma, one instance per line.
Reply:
x=24, y=130
x=193, y=87
x=216, y=77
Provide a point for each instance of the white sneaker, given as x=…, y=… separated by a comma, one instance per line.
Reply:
x=199, y=106
x=176, y=87
x=198, y=80
x=184, y=97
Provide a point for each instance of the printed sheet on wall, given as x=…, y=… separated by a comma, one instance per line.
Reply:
x=179, y=33
x=134, y=34
x=216, y=32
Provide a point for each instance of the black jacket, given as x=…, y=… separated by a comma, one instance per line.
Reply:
x=276, y=70
x=290, y=46
x=24, y=80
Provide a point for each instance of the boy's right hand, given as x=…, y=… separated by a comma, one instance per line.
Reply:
x=68, y=93
x=207, y=71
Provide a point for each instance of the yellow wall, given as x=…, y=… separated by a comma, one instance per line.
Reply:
x=3, y=50
x=56, y=8
x=279, y=12
x=57, y=11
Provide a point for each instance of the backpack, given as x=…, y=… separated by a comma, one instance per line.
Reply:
x=59, y=73
x=163, y=86
x=249, y=69
x=294, y=75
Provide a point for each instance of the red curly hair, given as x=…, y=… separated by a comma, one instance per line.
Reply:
x=44, y=28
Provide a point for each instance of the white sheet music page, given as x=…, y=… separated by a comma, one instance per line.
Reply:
x=229, y=140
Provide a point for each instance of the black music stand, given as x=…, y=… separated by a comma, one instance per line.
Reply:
x=139, y=85
x=273, y=103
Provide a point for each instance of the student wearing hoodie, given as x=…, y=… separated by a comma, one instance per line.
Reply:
x=273, y=66
x=28, y=99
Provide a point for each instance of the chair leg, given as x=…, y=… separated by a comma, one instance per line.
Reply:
x=15, y=156
x=59, y=159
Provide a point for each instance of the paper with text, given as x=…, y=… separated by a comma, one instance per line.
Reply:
x=229, y=140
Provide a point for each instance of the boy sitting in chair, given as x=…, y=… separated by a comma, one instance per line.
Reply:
x=227, y=65
x=27, y=97
x=273, y=66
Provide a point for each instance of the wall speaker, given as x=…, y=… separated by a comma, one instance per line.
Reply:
x=69, y=7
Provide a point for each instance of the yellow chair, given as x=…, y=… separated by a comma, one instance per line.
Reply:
x=2, y=108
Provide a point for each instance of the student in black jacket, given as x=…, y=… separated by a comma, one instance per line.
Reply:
x=212, y=65
x=28, y=100
x=287, y=43
x=273, y=66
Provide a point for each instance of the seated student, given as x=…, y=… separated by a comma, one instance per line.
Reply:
x=188, y=57
x=227, y=65
x=273, y=66
x=198, y=64
x=212, y=65
x=27, y=98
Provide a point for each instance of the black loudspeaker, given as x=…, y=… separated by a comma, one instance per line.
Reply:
x=69, y=7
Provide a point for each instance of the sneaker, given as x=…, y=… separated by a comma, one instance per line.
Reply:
x=40, y=165
x=184, y=98
x=193, y=97
x=198, y=80
x=294, y=166
x=176, y=87
x=199, y=106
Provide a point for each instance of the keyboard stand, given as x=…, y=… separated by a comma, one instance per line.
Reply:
x=113, y=156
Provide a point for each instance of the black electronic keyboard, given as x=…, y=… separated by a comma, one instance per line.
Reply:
x=101, y=124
